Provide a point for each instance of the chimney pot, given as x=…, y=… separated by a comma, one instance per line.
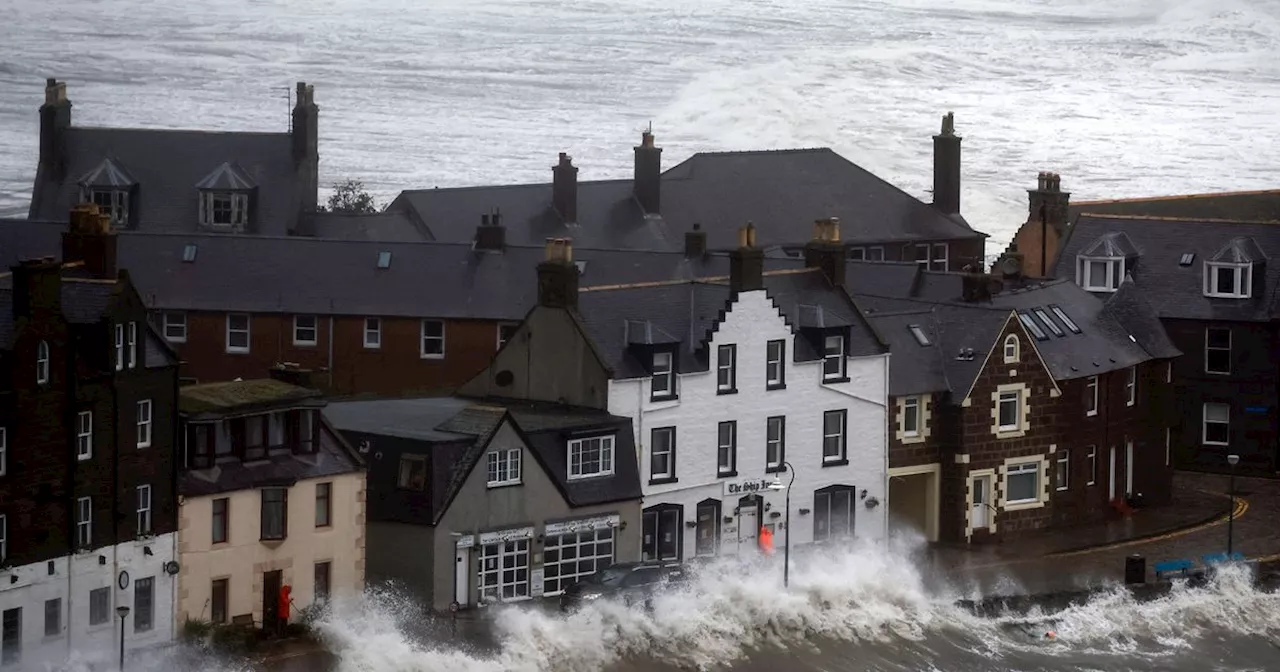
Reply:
x=946, y=168
x=647, y=180
x=559, y=250
x=746, y=262
x=564, y=189
x=558, y=275
x=490, y=235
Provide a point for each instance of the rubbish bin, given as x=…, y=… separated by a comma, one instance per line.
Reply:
x=1135, y=569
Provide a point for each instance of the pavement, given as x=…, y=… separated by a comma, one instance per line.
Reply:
x=1194, y=524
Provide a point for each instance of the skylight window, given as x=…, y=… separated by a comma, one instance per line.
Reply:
x=1053, y=326
x=1065, y=320
x=1187, y=258
x=189, y=253
x=1033, y=327
x=384, y=260
x=582, y=266
x=921, y=337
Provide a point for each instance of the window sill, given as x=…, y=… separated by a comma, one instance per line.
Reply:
x=1022, y=506
x=1090, y=414
x=1063, y=488
x=272, y=543
x=1010, y=433
x=726, y=474
x=663, y=397
x=504, y=484
x=776, y=469
x=587, y=477
x=732, y=390
x=842, y=462
x=86, y=458
x=1091, y=483
x=834, y=380
x=176, y=340
x=665, y=480
x=304, y=344
x=439, y=356
x=1217, y=373
x=372, y=347
x=775, y=386
x=237, y=351
x=1215, y=443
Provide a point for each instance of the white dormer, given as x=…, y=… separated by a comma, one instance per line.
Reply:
x=109, y=186
x=1102, y=266
x=1229, y=273
x=225, y=198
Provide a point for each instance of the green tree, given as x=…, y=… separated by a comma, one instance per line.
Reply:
x=350, y=196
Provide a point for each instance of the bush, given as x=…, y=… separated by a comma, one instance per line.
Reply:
x=196, y=629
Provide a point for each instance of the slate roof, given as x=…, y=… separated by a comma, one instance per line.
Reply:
x=545, y=428
x=392, y=227
x=292, y=274
x=782, y=192
x=1237, y=205
x=687, y=312
x=1177, y=291
x=896, y=295
x=211, y=400
x=167, y=166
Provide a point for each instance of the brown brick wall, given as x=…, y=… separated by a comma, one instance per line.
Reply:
x=905, y=453
x=1028, y=241
x=396, y=368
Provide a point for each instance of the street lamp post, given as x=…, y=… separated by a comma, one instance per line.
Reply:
x=1231, y=517
x=786, y=544
x=123, y=612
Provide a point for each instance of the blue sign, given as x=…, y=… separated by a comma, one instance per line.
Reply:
x=1255, y=409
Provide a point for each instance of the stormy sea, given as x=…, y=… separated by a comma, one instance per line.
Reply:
x=1122, y=98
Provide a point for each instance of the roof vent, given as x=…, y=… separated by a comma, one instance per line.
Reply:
x=965, y=355
x=189, y=254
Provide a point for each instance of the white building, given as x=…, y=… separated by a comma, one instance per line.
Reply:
x=728, y=381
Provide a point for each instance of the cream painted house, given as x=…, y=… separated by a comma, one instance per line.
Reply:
x=271, y=496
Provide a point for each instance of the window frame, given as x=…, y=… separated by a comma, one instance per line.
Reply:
x=84, y=435
x=405, y=479
x=1131, y=386
x=4, y=538
x=247, y=331
x=322, y=568
x=1062, y=475
x=84, y=523
x=424, y=338
x=213, y=203
x=268, y=507
x=112, y=202
x=220, y=526
x=53, y=617
x=875, y=253
x=4, y=453
x=144, y=609
x=298, y=329
x=775, y=444
x=133, y=346
x=99, y=606
x=42, y=363
x=667, y=475
x=726, y=368
x=218, y=613
x=1210, y=349
x=144, y=425
x=823, y=513
x=510, y=328
x=839, y=355
x=911, y=409
x=1002, y=399
x=167, y=324
x=374, y=343
x=935, y=258
x=1205, y=422
x=1019, y=469
x=324, y=505
x=727, y=449
x=1093, y=466
x=143, y=519
x=508, y=461
x=1242, y=280
x=775, y=369
x=607, y=448
x=119, y=335
x=1015, y=357
x=1111, y=278
x=665, y=373
x=1091, y=385
x=840, y=439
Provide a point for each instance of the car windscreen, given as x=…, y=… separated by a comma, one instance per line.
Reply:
x=610, y=576
x=643, y=577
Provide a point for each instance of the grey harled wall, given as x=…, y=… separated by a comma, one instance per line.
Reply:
x=400, y=552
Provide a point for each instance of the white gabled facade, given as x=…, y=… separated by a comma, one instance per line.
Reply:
x=53, y=606
x=700, y=511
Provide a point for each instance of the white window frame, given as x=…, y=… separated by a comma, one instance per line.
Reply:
x=1131, y=386
x=144, y=604
x=175, y=326
x=247, y=331
x=667, y=453
x=84, y=522
x=493, y=570
x=775, y=443
x=911, y=410
x=1091, y=389
x=1242, y=285
x=84, y=435
x=1111, y=277
x=42, y=363
x=299, y=337
x=99, y=603
x=1062, y=477
x=836, y=354
x=144, y=423
x=506, y=325
x=922, y=261
x=1168, y=446
x=424, y=339
x=726, y=368
x=727, y=448
x=1005, y=397
x=1012, y=349
x=839, y=437
x=372, y=333
x=1093, y=466
x=504, y=467
x=119, y=346
x=938, y=262
x=4, y=450
x=875, y=253
x=775, y=367
x=116, y=204
x=1018, y=469
x=587, y=545
x=235, y=204
x=4, y=538
x=133, y=345
x=1208, y=349
x=144, y=510
x=606, y=461
x=1205, y=422
x=663, y=374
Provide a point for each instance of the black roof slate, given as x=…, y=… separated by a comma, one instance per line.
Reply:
x=1177, y=291
x=1237, y=205
x=390, y=226
x=168, y=164
x=333, y=457
x=783, y=192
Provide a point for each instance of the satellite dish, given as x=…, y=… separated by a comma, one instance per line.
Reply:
x=1011, y=266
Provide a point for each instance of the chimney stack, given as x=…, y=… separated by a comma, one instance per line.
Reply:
x=37, y=287
x=564, y=189
x=826, y=252
x=648, y=175
x=1048, y=202
x=695, y=243
x=293, y=374
x=746, y=262
x=491, y=234
x=558, y=275
x=976, y=287
x=946, y=167
x=306, y=144
x=91, y=240
x=55, y=120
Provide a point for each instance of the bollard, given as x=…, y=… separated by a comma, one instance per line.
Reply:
x=1135, y=569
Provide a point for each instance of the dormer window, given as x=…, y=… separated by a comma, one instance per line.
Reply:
x=109, y=187
x=114, y=202
x=225, y=198
x=664, y=378
x=1100, y=275
x=833, y=360
x=1227, y=281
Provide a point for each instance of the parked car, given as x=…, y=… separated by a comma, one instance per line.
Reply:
x=631, y=583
